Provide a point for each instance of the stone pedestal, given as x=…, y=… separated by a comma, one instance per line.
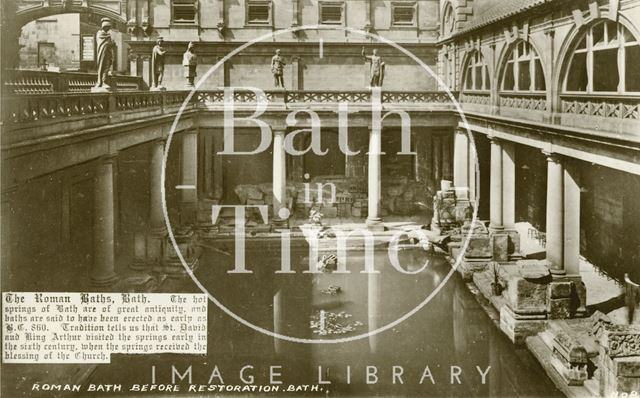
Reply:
x=171, y=264
x=478, y=252
x=518, y=327
x=140, y=261
x=505, y=245
x=526, y=300
x=619, y=359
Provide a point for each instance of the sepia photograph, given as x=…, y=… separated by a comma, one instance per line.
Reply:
x=320, y=198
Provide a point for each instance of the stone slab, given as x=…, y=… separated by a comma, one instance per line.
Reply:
x=517, y=330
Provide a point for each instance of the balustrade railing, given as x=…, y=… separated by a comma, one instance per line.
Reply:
x=475, y=98
x=524, y=101
x=22, y=81
x=619, y=107
x=32, y=108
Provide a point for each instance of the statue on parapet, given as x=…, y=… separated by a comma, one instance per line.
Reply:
x=190, y=62
x=157, y=62
x=376, y=72
x=277, y=68
x=105, y=51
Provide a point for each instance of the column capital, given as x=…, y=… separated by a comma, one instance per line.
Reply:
x=495, y=140
x=108, y=158
x=279, y=131
x=553, y=156
x=161, y=141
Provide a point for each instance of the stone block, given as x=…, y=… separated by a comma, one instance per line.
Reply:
x=518, y=328
x=619, y=375
x=560, y=290
x=357, y=212
x=248, y=191
x=513, y=245
x=499, y=247
x=329, y=212
x=479, y=247
x=526, y=297
x=344, y=209
x=559, y=308
x=468, y=267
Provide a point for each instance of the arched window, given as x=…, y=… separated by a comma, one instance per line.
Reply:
x=448, y=20
x=606, y=59
x=476, y=73
x=523, y=70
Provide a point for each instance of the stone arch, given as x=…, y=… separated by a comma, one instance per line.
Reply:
x=572, y=40
x=16, y=14
x=504, y=57
x=448, y=20
x=459, y=12
x=27, y=15
x=468, y=56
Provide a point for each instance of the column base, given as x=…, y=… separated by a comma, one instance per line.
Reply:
x=188, y=213
x=567, y=297
x=375, y=224
x=104, y=281
x=279, y=223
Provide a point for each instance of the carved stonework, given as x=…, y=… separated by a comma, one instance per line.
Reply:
x=570, y=359
x=621, y=340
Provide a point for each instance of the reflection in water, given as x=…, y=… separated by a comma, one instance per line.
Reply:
x=442, y=350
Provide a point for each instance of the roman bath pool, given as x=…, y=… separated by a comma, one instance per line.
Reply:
x=450, y=347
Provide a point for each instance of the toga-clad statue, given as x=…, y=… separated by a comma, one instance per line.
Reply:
x=157, y=60
x=190, y=61
x=105, y=51
x=277, y=68
x=377, y=68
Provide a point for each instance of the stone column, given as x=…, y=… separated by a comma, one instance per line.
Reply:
x=189, y=174
x=460, y=159
x=207, y=174
x=146, y=69
x=571, y=251
x=374, y=177
x=555, y=213
x=103, y=273
x=473, y=160
x=133, y=65
x=279, y=174
x=508, y=185
x=447, y=173
x=157, y=227
x=496, y=185
x=218, y=189
x=156, y=216
x=437, y=161
x=295, y=72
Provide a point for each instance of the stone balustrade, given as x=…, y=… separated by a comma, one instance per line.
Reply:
x=22, y=81
x=619, y=107
x=21, y=110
